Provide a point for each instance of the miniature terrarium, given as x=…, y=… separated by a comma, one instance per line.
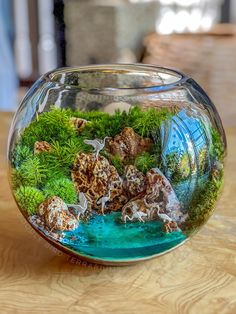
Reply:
x=116, y=163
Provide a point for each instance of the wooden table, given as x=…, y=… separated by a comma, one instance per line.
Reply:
x=199, y=277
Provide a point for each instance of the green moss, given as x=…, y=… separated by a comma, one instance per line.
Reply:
x=150, y=121
x=202, y=204
x=54, y=124
x=218, y=150
x=20, y=154
x=144, y=122
x=145, y=162
x=59, y=160
x=30, y=173
x=63, y=188
x=105, y=125
x=117, y=163
x=29, y=199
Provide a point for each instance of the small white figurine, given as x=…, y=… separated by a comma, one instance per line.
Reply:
x=97, y=144
x=135, y=215
x=103, y=200
x=82, y=206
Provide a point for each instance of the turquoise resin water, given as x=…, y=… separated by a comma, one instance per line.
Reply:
x=106, y=237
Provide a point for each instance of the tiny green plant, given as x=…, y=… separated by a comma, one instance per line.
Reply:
x=217, y=149
x=59, y=160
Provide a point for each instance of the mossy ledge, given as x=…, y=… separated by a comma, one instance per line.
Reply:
x=38, y=176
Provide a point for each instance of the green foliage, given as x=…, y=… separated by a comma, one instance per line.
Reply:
x=150, y=121
x=20, y=154
x=54, y=124
x=63, y=188
x=117, y=163
x=105, y=125
x=59, y=160
x=178, y=166
x=30, y=173
x=145, y=162
x=217, y=150
x=173, y=166
x=29, y=199
x=202, y=204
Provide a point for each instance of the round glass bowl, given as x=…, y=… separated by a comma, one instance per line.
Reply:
x=116, y=163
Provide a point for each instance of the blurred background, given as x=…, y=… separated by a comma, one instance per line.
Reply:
x=197, y=37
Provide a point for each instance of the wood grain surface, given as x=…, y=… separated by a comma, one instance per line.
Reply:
x=198, y=277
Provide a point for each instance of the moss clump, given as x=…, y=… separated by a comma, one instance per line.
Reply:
x=173, y=165
x=145, y=162
x=30, y=173
x=59, y=160
x=144, y=122
x=54, y=124
x=218, y=149
x=63, y=188
x=89, y=115
x=202, y=204
x=105, y=125
x=20, y=154
x=150, y=121
x=29, y=199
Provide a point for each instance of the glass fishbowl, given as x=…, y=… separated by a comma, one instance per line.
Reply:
x=116, y=163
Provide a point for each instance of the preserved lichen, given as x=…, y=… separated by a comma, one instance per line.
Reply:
x=29, y=199
x=63, y=188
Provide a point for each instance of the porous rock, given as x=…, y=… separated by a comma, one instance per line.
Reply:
x=41, y=146
x=158, y=194
x=134, y=181
x=96, y=177
x=56, y=215
x=160, y=190
x=128, y=144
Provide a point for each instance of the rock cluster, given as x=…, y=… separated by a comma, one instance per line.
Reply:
x=128, y=144
x=158, y=194
x=56, y=215
x=160, y=190
x=96, y=178
x=135, y=194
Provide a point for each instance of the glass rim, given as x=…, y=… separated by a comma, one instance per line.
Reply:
x=176, y=77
